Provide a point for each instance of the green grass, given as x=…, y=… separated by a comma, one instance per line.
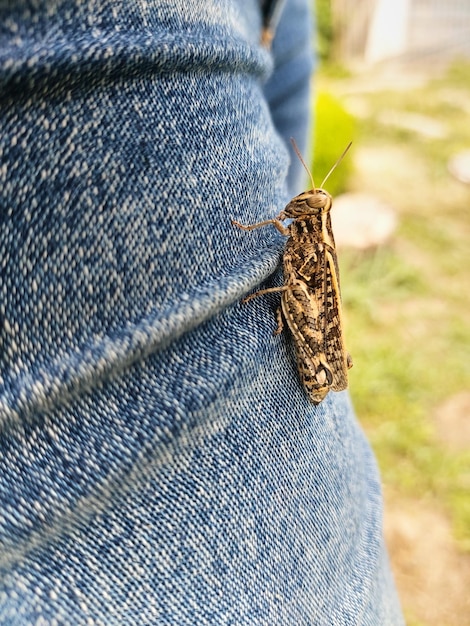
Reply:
x=334, y=129
x=407, y=305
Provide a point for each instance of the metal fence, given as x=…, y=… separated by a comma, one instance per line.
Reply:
x=437, y=27
x=376, y=30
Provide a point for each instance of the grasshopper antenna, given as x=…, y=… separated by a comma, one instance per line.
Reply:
x=297, y=152
x=336, y=164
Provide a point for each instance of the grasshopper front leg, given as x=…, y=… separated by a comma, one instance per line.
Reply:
x=263, y=291
x=275, y=222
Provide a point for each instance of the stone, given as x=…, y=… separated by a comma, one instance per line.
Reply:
x=459, y=166
x=362, y=221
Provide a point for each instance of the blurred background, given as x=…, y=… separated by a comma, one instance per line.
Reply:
x=394, y=77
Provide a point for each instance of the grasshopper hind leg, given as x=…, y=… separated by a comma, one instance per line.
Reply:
x=280, y=321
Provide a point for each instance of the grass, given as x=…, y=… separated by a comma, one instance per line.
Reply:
x=334, y=129
x=407, y=305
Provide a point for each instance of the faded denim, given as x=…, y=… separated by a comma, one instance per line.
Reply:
x=159, y=460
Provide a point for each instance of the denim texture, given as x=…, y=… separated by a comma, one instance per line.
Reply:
x=159, y=460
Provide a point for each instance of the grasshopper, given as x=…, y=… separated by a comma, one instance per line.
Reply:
x=311, y=297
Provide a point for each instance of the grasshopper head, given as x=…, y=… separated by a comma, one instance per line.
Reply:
x=308, y=203
x=316, y=202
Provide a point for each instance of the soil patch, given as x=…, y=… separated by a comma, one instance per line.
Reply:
x=432, y=576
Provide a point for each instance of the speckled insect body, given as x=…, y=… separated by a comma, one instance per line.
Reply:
x=311, y=297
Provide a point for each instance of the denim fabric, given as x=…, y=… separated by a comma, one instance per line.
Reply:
x=159, y=460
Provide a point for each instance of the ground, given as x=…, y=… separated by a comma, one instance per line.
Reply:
x=407, y=320
x=432, y=573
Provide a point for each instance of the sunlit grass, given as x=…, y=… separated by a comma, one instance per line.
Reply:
x=334, y=129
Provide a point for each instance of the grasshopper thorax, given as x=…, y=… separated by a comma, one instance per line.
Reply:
x=310, y=202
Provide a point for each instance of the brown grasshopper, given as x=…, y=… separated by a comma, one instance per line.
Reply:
x=311, y=297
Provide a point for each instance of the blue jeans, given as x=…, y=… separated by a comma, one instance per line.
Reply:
x=159, y=461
